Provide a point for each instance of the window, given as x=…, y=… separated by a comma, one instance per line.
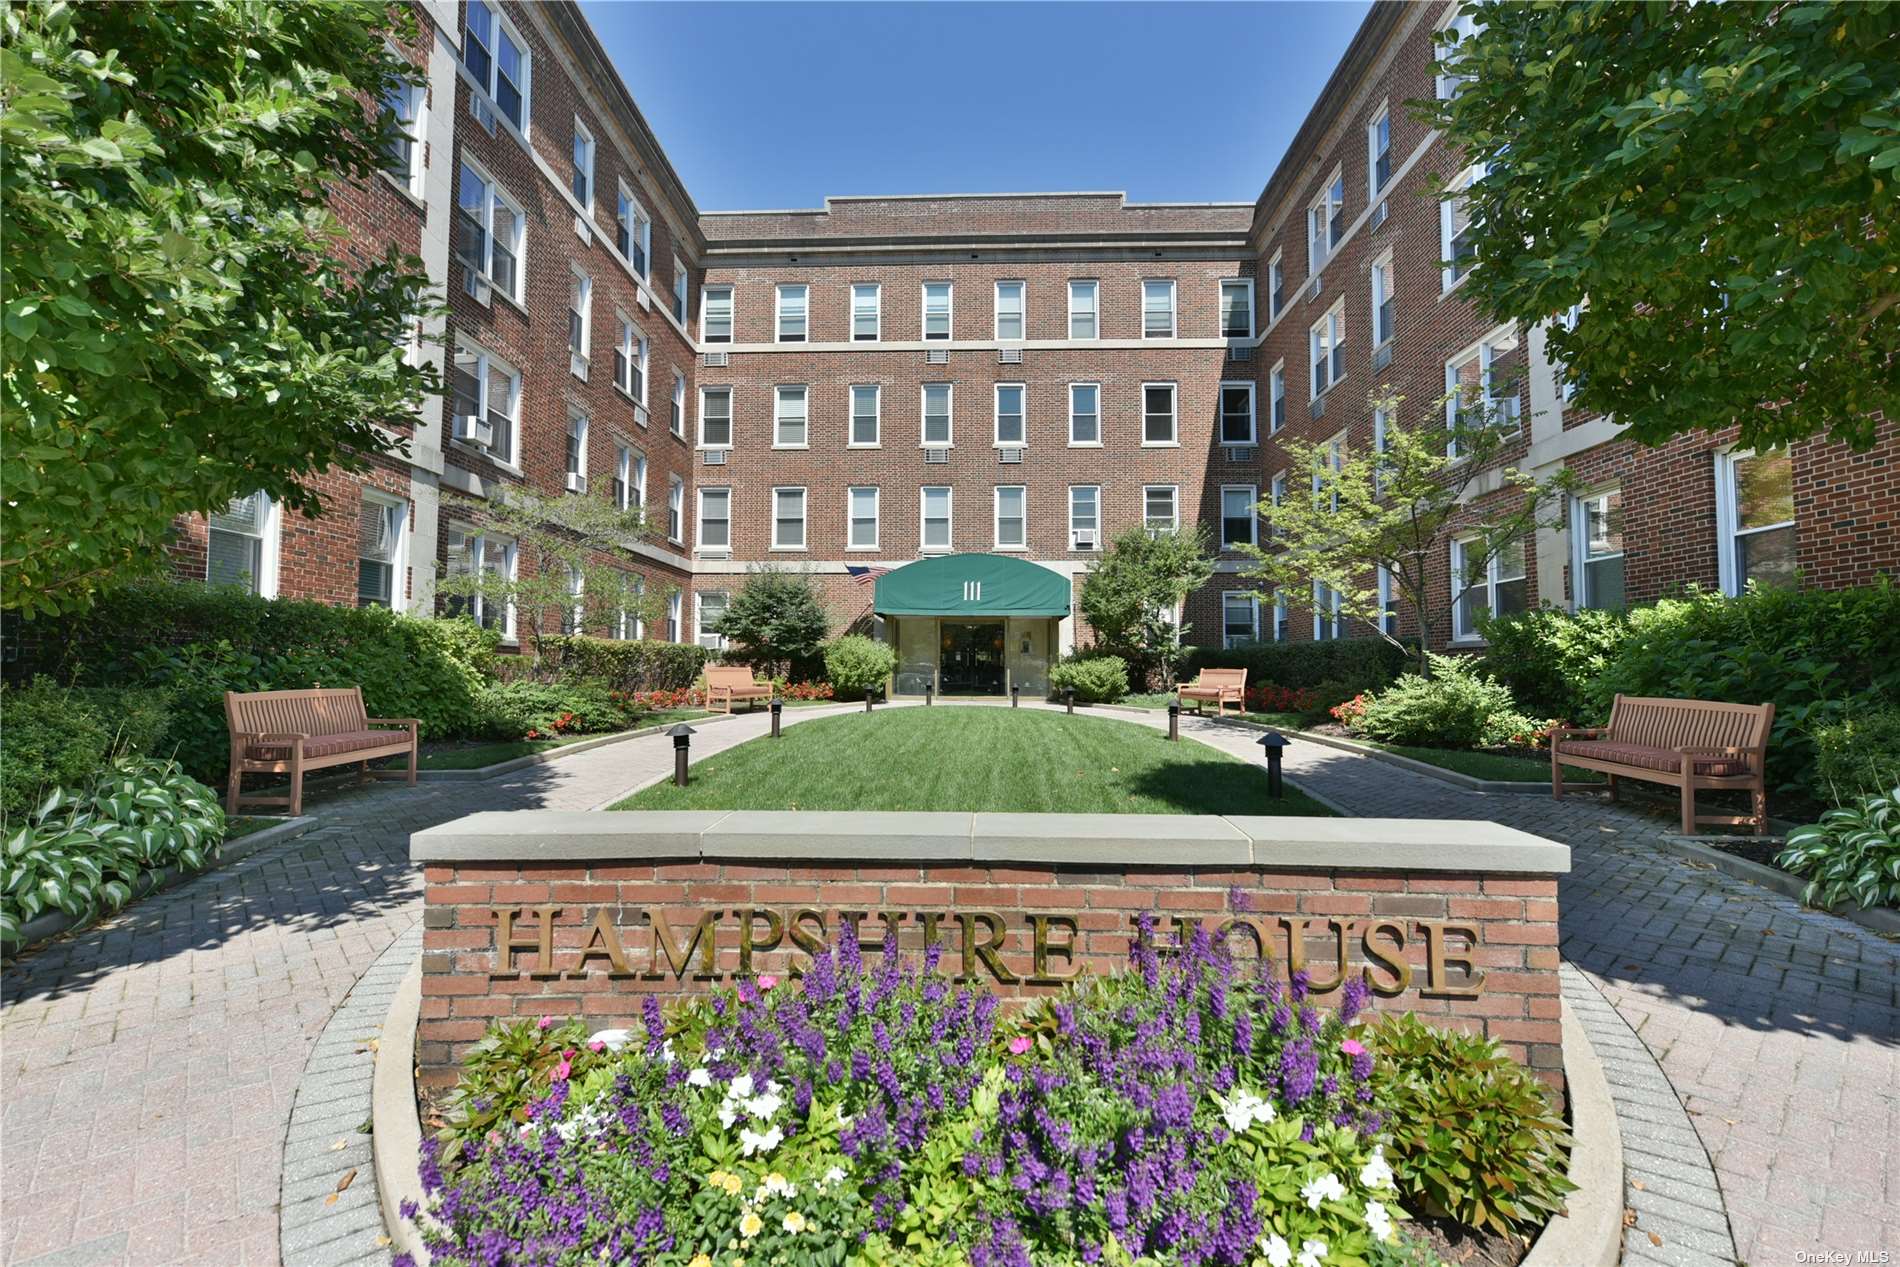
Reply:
x=1082, y=310
x=1566, y=382
x=673, y=602
x=1085, y=517
x=576, y=453
x=1379, y=445
x=678, y=424
x=1754, y=514
x=867, y=401
x=404, y=105
x=1596, y=560
x=1276, y=287
x=937, y=405
x=1329, y=350
x=715, y=314
x=633, y=592
x=498, y=60
x=640, y=480
x=1085, y=413
x=580, y=323
x=1328, y=624
x=1382, y=314
x=489, y=232
x=861, y=505
x=1239, y=618
x=1237, y=518
x=935, y=517
x=791, y=313
x=1236, y=413
x=1157, y=413
x=1012, y=529
x=581, y=180
x=574, y=614
x=789, y=418
x=1331, y=461
x=1277, y=490
x=1378, y=153
x=937, y=301
x=1157, y=310
x=788, y=519
x=630, y=362
x=680, y=277
x=1493, y=589
x=867, y=312
x=633, y=232
x=242, y=546
x=715, y=519
x=623, y=478
x=711, y=610
x=1236, y=308
x=1010, y=316
x=675, y=509
x=715, y=417
x=1009, y=413
x=1474, y=392
x=1276, y=398
x=1158, y=508
x=492, y=559
x=1325, y=223
x=1455, y=248
x=1461, y=28
x=1388, y=611
x=485, y=400
x=1280, y=625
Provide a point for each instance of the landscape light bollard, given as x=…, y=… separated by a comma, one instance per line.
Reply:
x=1015, y=695
x=927, y=694
x=870, y=693
x=1275, y=743
x=682, y=738
x=1174, y=720
x=1068, y=698
x=778, y=707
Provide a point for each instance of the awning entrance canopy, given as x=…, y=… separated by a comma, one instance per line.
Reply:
x=980, y=586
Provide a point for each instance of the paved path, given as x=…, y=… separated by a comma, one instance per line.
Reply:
x=149, y=1064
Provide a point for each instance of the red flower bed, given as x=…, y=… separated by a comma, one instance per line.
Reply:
x=1272, y=698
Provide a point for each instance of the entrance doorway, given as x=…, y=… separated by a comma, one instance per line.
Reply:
x=972, y=657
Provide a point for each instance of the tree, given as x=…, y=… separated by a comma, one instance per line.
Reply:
x=560, y=585
x=1714, y=184
x=776, y=620
x=181, y=328
x=1132, y=596
x=1399, y=510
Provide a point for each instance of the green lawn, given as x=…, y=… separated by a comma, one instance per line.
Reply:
x=969, y=759
x=474, y=756
x=1161, y=699
x=1486, y=765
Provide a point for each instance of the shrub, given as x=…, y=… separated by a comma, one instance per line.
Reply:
x=540, y=710
x=86, y=850
x=1097, y=679
x=1269, y=698
x=1551, y=659
x=1473, y=1135
x=775, y=622
x=1363, y=664
x=1853, y=853
x=855, y=664
x=57, y=736
x=626, y=665
x=1457, y=707
x=664, y=701
x=1860, y=754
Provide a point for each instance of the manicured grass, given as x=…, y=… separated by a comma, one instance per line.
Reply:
x=1486, y=765
x=971, y=759
x=476, y=756
x=1160, y=700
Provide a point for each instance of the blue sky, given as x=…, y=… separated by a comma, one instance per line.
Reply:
x=778, y=105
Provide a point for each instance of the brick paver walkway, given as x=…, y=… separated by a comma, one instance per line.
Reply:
x=149, y=1064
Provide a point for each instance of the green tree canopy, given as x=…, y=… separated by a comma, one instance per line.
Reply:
x=776, y=620
x=181, y=327
x=1132, y=597
x=1715, y=183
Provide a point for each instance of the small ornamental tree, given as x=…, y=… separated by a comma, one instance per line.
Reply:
x=1399, y=510
x=1714, y=184
x=775, y=621
x=1132, y=596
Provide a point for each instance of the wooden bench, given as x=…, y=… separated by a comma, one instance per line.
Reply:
x=1221, y=686
x=1686, y=743
x=289, y=732
x=726, y=683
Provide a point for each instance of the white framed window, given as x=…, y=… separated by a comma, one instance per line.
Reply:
x=627, y=622
x=580, y=323
x=939, y=298
x=1239, y=618
x=1282, y=629
x=1084, y=317
x=576, y=452
x=382, y=540
x=1328, y=347
x=674, y=602
x=1236, y=308
x=633, y=230
x=867, y=312
x=1383, y=318
x=788, y=519
x=1326, y=222
x=1379, y=445
x=939, y=401
x=1010, y=414
x=574, y=614
x=1463, y=26
x=1157, y=308
x=640, y=480
x=1085, y=414
x=675, y=509
x=1475, y=394
x=715, y=417
x=1011, y=311
x=680, y=280
x=489, y=229
x=678, y=424
x=1388, y=609
x=1276, y=286
x=242, y=545
x=792, y=315
x=1237, y=413
x=1239, y=525
x=715, y=519
x=1328, y=624
x=861, y=507
x=1012, y=517
x=581, y=177
x=1332, y=460
x=715, y=314
x=1496, y=588
x=1085, y=516
x=1596, y=554
x=1157, y=415
x=630, y=361
x=934, y=515
x=1276, y=398
x=1455, y=250
x=473, y=553
x=484, y=402
x=406, y=105
x=867, y=408
x=789, y=417
x=1277, y=489
x=1378, y=153
x=1754, y=517
x=1160, y=508
x=499, y=60
x=710, y=608
x=623, y=478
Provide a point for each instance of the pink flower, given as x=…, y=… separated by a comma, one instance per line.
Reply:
x=1353, y=1047
x=1018, y=1046
x=546, y=1022
x=767, y=981
x=562, y=1070
x=597, y=1045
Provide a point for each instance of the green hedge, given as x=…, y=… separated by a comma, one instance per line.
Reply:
x=55, y=736
x=1097, y=679
x=1358, y=663
x=644, y=665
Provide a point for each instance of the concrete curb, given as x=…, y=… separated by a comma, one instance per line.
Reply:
x=1589, y=1233
x=556, y=754
x=1879, y=920
x=396, y=1140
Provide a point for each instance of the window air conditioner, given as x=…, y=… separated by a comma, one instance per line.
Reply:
x=471, y=429
x=715, y=359
x=1009, y=457
x=936, y=356
x=483, y=110
x=1378, y=215
x=1085, y=538
x=576, y=483
x=715, y=457
x=1009, y=356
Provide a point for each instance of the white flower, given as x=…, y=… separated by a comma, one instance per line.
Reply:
x=1325, y=1188
x=1278, y=1252
x=779, y=1186
x=728, y=1114
x=1312, y=1253
x=666, y=1052
x=699, y=1077
x=741, y=1087
x=1376, y=1174
x=835, y=1175
x=751, y=1141
x=1244, y=1110
x=1378, y=1222
x=763, y=1106
x=613, y=1039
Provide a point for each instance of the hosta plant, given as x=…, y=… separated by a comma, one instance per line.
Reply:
x=1852, y=854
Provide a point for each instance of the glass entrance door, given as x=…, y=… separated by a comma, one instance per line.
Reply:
x=972, y=660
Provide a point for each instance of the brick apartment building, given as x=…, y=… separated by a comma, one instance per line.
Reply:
x=1007, y=380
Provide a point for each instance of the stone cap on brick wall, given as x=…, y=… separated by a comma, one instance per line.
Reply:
x=1082, y=840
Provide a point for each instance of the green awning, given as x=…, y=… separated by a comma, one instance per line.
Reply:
x=972, y=585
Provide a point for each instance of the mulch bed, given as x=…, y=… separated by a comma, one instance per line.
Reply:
x=1468, y=1248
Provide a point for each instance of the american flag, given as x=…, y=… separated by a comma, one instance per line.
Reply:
x=865, y=575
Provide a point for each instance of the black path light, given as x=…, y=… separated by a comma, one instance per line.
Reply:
x=1174, y=720
x=778, y=708
x=1068, y=698
x=928, y=691
x=682, y=741
x=1015, y=695
x=870, y=694
x=1275, y=743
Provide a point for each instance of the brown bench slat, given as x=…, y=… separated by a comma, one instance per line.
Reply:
x=1222, y=686
x=289, y=732
x=1686, y=744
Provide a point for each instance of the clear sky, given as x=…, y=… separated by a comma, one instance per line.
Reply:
x=778, y=105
